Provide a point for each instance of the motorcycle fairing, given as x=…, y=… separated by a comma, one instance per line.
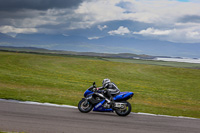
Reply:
x=98, y=104
x=123, y=96
x=87, y=92
x=98, y=107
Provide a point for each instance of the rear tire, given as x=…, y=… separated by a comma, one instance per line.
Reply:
x=84, y=108
x=125, y=111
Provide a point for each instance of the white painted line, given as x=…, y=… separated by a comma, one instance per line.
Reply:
x=140, y=113
x=48, y=104
x=69, y=106
x=37, y=103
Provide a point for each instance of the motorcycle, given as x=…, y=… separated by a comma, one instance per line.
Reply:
x=94, y=99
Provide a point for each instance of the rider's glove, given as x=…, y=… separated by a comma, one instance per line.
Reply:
x=94, y=89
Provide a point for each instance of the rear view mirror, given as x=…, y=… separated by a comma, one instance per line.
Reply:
x=94, y=83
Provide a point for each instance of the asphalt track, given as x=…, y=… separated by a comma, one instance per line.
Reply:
x=20, y=117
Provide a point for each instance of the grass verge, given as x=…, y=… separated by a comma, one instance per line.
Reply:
x=63, y=80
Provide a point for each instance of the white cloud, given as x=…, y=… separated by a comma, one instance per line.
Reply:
x=120, y=31
x=96, y=11
x=148, y=11
x=197, y=1
x=152, y=31
x=102, y=27
x=65, y=35
x=160, y=11
x=94, y=37
x=11, y=29
x=193, y=34
x=184, y=35
x=160, y=14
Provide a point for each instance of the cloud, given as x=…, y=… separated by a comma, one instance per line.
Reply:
x=43, y=15
x=183, y=0
x=152, y=31
x=193, y=34
x=194, y=1
x=120, y=31
x=190, y=18
x=10, y=5
x=11, y=29
x=102, y=27
x=184, y=35
x=164, y=15
x=163, y=19
x=94, y=37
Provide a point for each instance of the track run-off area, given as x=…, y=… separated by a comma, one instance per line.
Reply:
x=33, y=117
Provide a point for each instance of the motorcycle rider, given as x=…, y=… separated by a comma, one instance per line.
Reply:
x=110, y=90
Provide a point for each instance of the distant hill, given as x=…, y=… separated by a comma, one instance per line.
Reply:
x=59, y=52
x=108, y=44
x=108, y=56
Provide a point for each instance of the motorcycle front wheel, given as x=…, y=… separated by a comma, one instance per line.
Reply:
x=84, y=106
x=125, y=111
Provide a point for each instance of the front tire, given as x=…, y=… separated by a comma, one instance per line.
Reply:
x=125, y=111
x=84, y=107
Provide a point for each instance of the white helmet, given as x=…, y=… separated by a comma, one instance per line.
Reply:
x=105, y=81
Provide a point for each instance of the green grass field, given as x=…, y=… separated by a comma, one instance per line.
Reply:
x=63, y=80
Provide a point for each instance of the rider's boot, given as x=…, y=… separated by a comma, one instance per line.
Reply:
x=112, y=102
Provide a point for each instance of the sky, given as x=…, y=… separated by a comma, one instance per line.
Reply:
x=175, y=21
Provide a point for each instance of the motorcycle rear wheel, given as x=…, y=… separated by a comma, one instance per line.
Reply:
x=125, y=111
x=84, y=107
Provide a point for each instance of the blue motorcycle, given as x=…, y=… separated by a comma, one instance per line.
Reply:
x=94, y=99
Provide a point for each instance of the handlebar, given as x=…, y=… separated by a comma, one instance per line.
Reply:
x=94, y=88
